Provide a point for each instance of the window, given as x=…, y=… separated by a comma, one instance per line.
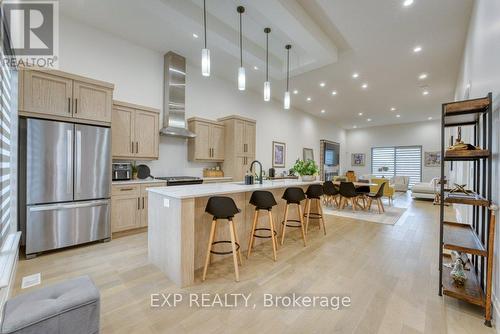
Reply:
x=398, y=161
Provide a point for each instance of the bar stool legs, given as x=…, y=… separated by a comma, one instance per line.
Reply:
x=315, y=215
x=254, y=228
x=233, y=247
x=209, y=248
x=300, y=221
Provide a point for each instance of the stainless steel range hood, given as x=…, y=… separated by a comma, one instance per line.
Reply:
x=174, y=97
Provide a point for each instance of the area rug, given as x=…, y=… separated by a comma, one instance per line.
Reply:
x=390, y=217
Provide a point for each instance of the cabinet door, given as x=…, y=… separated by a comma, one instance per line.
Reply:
x=241, y=167
x=122, y=132
x=125, y=213
x=202, y=141
x=239, y=140
x=249, y=138
x=144, y=201
x=146, y=134
x=217, y=142
x=47, y=94
x=92, y=102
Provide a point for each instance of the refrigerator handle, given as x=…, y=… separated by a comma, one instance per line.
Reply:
x=67, y=206
x=78, y=158
x=69, y=161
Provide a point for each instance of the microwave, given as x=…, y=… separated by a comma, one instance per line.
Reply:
x=122, y=171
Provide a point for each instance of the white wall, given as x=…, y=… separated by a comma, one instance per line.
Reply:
x=481, y=68
x=425, y=134
x=137, y=75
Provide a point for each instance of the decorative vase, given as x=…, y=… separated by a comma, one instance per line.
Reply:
x=308, y=178
x=458, y=273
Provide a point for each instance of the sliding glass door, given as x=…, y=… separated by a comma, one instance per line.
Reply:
x=398, y=161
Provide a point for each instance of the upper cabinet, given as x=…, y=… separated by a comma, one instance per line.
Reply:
x=208, y=145
x=64, y=96
x=135, y=131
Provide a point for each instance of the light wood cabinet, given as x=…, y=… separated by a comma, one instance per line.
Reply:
x=129, y=206
x=209, y=143
x=240, y=138
x=64, y=96
x=135, y=131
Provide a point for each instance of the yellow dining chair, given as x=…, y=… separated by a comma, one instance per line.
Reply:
x=388, y=190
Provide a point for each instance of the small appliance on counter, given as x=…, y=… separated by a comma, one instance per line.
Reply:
x=272, y=172
x=180, y=180
x=122, y=171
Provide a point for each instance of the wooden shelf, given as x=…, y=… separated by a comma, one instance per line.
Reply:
x=467, y=107
x=461, y=198
x=462, y=238
x=470, y=292
x=465, y=155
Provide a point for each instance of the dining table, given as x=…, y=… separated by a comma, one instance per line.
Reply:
x=357, y=184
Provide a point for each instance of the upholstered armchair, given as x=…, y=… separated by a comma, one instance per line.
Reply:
x=400, y=183
x=388, y=189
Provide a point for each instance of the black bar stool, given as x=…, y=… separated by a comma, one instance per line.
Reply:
x=331, y=192
x=221, y=207
x=314, y=193
x=293, y=195
x=262, y=200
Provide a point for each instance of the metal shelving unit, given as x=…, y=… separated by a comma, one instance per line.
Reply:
x=477, y=237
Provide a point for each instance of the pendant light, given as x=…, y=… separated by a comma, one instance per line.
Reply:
x=241, y=70
x=205, y=53
x=286, y=100
x=267, y=84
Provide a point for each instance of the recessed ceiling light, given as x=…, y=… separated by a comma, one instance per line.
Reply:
x=425, y=92
x=295, y=92
x=422, y=76
x=417, y=49
x=364, y=86
x=334, y=92
x=429, y=118
x=368, y=119
x=322, y=111
x=354, y=126
x=398, y=116
x=360, y=114
x=308, y=99
x=322, y=84
x=255, y=68
x=355, y=75
x=408, y=3
x=393, y=109
x=195, y=35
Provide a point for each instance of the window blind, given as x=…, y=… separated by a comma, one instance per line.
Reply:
x=6, y=91
x=398, y=161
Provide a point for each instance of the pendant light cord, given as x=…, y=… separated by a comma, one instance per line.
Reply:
x=287, y=68
x=205, y=23
x=267, y=56
x=241, y=45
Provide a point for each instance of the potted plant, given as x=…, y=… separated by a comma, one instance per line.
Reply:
x=134, y=171
x=306, y=169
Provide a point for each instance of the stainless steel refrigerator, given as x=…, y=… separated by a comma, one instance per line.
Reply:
x=65, y=184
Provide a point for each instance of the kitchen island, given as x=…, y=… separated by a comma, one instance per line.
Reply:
x=179, y=228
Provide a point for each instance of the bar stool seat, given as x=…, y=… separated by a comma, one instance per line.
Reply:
x=293, y=196
x=262, y=200
x=222, y=207
x=313, y=194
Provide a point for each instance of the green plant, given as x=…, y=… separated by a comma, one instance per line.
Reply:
x=307, y=167
x=134, y=168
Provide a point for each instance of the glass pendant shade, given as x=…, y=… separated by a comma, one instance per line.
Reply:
x=205, y=62
x=267, y=91
x=286, y=101
x=241, y=78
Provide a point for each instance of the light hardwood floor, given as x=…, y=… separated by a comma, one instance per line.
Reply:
x=390, y=273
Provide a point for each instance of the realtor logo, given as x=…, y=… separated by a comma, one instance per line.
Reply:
x=32, y=29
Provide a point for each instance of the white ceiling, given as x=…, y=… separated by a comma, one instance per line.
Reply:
x=331, y=39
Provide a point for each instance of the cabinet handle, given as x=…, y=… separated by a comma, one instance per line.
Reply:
x=69, y=105
x=76, y=105
x=138, y=203
x=131, y=147
x=143, y=203
x=213, y=154
x=136, y=147
x=126, y=189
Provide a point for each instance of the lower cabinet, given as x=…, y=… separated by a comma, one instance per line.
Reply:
x=129, y=206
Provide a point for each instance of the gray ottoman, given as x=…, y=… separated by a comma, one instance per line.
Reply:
x=69, y=307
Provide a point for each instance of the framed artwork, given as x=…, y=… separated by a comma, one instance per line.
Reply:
x=358, y=159
x=432, y=159
x=279, y=154
x=307, y=154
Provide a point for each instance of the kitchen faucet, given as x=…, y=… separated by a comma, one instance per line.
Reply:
x=251, y=169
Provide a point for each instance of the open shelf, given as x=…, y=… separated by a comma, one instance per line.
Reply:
x=465, y=155
x=470, y=292
x=461, y=198
x=462, y=238
x=465, y=112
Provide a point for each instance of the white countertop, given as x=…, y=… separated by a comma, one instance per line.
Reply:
x=138, y=181
x=216, y=178
x=210, y=189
